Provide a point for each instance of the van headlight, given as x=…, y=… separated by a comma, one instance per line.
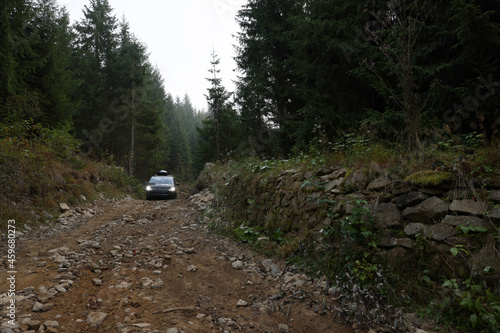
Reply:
x=148, y=188
x=172, y=189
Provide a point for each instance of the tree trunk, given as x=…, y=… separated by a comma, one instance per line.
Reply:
x=132, y=137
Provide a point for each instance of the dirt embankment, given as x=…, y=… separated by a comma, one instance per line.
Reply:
x=138, y=266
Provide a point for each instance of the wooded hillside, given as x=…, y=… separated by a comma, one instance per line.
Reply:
x=94, y=80
x=409, y=73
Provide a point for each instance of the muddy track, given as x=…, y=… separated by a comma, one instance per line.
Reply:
x=140, y=266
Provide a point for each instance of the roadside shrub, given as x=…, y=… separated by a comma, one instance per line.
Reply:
x=60, y=141
x=472, y=300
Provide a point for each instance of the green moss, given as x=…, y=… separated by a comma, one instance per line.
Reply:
x=349, y=173
x=429, y=178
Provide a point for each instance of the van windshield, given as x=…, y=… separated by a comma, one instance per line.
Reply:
x=162, y=180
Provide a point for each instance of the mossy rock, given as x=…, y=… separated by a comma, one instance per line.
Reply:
x=430, y=178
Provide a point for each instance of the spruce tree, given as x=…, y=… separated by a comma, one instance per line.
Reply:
x=426, y=57
x=17, y=61
x=16, y=45
x=327, y=40
x=53, y=80
x=137, y=92
x=95, y=51
x=219, y=126
x=129, y=82
x=179, y=157
x=267, y=86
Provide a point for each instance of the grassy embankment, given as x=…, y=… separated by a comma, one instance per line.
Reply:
x=39, y=172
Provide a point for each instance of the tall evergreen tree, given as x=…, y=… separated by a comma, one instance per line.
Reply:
x=267, y=87
x=148, y=153
x=53, y=80
x=218, y=129
x=129, y=82
x=191, y=121
x=95, y=52
x=473, y=45
x=17, y=35
x=180, y=147
x=165, y=116
x=421, y=61
x=137, y=96
x=396, y=37
x=327, y=41
x=217, y=98
x=17, y=61
x=179, y=157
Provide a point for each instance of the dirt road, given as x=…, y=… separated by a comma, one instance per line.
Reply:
x=137, y=266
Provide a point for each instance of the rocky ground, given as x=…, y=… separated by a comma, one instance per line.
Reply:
x=138, y=266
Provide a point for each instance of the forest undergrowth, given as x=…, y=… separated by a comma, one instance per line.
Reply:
x=42, y=167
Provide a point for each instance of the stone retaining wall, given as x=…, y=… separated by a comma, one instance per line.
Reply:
x=444, y=215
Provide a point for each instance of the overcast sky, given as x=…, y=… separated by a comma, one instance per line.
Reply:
x=180, y=36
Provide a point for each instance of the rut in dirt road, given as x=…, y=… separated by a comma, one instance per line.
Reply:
x=138, y=266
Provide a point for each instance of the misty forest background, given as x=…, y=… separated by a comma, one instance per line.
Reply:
x=408, y=74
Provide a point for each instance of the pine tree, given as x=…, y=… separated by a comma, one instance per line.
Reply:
x=17, y=61
x=426, y=56
x=15, y=45
x=95, y=52
x=267, y=87
x=53, y=80
x=180, y=147
x=179, y=157
x=148, y=154
x=473, y=45
x=137, y=90
x=219, y=126
x=130, y=83
x=191, y=121
x=396, y=37
x=216, y=98
x=327, y=40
